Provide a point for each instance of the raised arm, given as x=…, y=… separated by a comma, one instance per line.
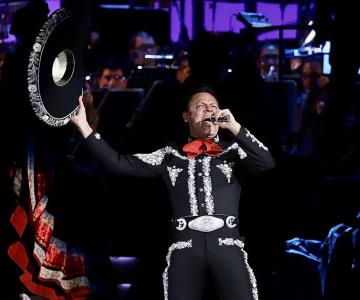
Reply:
x=80, y=121
x=138, y=165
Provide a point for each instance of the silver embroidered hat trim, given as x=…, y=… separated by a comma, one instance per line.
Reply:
x=174, y=246
x=33, y=70
x=240, y=244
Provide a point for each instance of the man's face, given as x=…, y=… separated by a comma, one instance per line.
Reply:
x=312, y=74
x=113, y=79
x=269, y=57
x=142, y=47
x=201, y=106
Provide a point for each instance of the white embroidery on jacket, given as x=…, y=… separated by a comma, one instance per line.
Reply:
x=174, y=173
x=226, y=168
x=208, y=186
x=191, y=187
x=235, y=146
x=255, y=140
x=241, y=153
x=156, y=158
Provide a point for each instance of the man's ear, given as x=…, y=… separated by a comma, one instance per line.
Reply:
x=185, y=116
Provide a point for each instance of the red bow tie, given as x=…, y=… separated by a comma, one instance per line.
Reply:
x=197, y=147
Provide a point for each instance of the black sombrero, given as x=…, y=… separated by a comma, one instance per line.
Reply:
x=54, y=70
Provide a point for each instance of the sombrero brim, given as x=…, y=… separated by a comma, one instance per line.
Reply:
x=55, y=103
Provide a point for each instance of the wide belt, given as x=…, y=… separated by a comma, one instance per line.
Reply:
x=205, y=223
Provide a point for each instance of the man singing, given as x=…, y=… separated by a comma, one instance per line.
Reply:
x=203, y=179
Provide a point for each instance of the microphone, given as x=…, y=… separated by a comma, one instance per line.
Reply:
x=222, y=118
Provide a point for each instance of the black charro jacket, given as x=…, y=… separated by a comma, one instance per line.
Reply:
x=199, y=186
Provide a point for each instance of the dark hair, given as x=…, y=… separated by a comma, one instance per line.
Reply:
x=112, y=64
x=195, y=89
x=141, y=34
x=266, y=44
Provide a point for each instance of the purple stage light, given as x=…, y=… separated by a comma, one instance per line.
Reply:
x=124, y=259
x=276, y=16
x=221, y=16
x=176, y=19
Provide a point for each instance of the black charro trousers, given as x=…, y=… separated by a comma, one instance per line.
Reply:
x=194, y=255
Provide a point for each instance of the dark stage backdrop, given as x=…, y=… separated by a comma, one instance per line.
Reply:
x=117, y=25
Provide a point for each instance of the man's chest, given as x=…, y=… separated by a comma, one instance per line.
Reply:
x=201, y=170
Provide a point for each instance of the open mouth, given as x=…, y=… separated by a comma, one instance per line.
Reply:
x=209, y=119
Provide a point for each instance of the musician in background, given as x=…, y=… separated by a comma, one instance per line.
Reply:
x=331, y=22
x=111, y=75
x=268, y=61
x=184, y=70
x=142, y=43
x=311, y=107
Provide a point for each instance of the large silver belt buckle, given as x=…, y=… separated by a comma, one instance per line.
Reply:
x=206, y=223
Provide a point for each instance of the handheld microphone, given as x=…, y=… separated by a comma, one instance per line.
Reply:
x=222, y=118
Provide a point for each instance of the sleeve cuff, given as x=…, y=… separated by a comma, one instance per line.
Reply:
x=93, y=135
x=241, y=133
